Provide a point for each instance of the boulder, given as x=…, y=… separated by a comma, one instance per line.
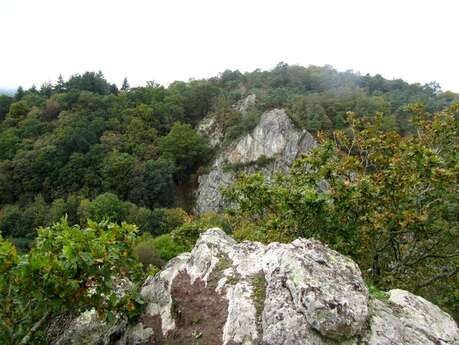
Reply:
x=228, y=293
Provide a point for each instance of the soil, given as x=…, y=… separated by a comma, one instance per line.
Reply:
x=199, y=311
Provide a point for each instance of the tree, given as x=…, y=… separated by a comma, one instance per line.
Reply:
x=186, y=148
x=60, y=85
x=19, y=93
x=68, y=270
x=105, y=206
x=18, y=110
x=5, y=102
x=117, y=170
x=125, y=86
x=155, y=186
x=388, y=201
x=9, y=143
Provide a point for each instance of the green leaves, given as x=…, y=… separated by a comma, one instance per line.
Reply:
x=389, y=201
x=69, y=269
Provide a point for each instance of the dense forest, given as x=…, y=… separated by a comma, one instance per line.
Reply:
x=83, y=153
x=81, y=146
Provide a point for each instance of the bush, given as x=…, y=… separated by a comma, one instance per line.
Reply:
x=68, y=270
x=166, y=247
x=173, y=218
x=187, y=234
x=146, y=253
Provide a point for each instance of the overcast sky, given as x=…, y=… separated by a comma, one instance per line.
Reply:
x=171, y=40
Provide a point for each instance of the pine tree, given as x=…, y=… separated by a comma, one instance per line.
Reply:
x=125, y=86
x=19, y=93
x=60, y=85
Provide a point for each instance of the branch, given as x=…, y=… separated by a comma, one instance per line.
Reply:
x=444, y=275
x=34, y=328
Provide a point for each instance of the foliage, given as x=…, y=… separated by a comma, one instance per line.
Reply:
x=185, y=148
x=81, y=137
x=387, y=200
x=145, y=252
x=68, y=269
x=82, y=149
x=105, y=206
x=187, y=234
x=166, y=247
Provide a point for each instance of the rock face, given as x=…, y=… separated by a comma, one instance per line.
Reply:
x=210, y=128
x=278, y=294
x=275, y=141
x=244, y=104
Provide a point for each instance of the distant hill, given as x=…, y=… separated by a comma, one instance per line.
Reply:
x=7, y=91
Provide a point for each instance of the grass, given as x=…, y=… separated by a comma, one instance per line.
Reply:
x=259, y=293
x=377, y=293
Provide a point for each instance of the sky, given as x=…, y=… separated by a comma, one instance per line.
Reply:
x=416, y=40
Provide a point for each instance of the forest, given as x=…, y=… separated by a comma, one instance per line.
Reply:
x=123, y=163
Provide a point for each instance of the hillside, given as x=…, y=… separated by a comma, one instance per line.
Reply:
x=64, y=145
x=100, y=186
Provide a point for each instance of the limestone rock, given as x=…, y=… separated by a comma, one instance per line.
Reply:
x=297, y=293
x=210, y=128
x=244, y=104
x=275, y=140
x=228, y=293
x=213, y=130
x=410, y=320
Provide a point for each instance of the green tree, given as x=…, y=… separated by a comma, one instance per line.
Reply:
x=186, y=148
x=18, y=110
x=68, y=270
x=117, y=170
x=19, y=93
x=9, y=143
x=125, y=86
x=156, y=185
x=5, y=102
x=105, y=206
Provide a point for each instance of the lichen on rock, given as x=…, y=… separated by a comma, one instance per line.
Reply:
x=228, y=293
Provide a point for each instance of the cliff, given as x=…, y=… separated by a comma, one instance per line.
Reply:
x=271, y=147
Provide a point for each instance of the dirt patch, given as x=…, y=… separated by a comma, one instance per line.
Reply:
x=154, y=322
x=199, y=311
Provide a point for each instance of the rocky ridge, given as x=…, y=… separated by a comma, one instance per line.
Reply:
x=248, y=293
x=271, y=147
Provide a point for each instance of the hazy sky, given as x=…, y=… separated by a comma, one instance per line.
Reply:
x=180, y=39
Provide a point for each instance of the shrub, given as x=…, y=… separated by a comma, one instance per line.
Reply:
x=166, y=247
x=146, y=253
x=68, y=270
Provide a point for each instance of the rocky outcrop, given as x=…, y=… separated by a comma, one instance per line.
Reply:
x=244, y=104
x=271, y=147
x=278, y=294
x=213, y=130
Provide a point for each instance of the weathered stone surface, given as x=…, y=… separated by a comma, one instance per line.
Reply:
x=228, y=293
x=212, y=129
x=410, y=320
x=87, y=329
x=244, y=104
x=275, y=138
